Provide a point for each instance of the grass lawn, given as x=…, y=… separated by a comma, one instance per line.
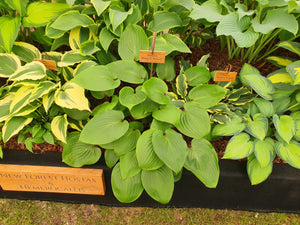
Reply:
x=18, y=212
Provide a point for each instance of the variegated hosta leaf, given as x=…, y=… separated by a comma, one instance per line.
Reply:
x=233, y=127
x=279, y=61
x=258, y=127
x=4, y=107
x=21, y=99
x=280, y=76
x=238, y=147
x=9, y=64
x=181, y=85
x=59, y=125
x=40, y=90
x=285, y=126
x=256, y=173
x=289, y=152
x=26, y=51
x=264, y=106
x=79, y=35
x=294, y=70
x=264, y=151
x=13, y=125
x=26, y=110
x=72, y=97
x=291, y=46
x=31, y=71
x=48, y=99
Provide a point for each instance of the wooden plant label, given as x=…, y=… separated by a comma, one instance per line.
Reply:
x=49, y=64
x=225, y=76
x=155, y=57
x=52, y=179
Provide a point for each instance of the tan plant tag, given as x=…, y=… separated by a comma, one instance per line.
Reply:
x=225, y=76
x=152, y=57
x=52, y=179
x=49, y=64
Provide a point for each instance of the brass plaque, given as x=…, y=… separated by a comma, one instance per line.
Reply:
x=155, y=57
x=52, y=179
x=225, y=76
x=49, y=64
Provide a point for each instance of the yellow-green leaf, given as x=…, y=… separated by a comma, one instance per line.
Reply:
x=59, y=126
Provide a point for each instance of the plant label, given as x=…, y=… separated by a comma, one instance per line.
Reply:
x=52, y=179
x=152, y=57
x=225, y=76
x=49, y=64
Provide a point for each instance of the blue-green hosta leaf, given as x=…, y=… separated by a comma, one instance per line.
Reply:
x=106, y=38
x=30, y=71
x=105, y=128
x=285, y=126
x=9, y=29
x=110, y=158
x=164, y=21
x=256, y=173
x=168, y=113
x=40, y=13
x=78, y=154
x=126, y=190
x=265, y=107
x=197, y=75
x=59, y=125
x=231, y=25
x=238, y=147
x=210, y=10
x=129, y=99
x=247, y=69
x=207, y=95
x=72, y=96
x=276, y=18
x=194, y=121
x=128, y=71
x=294, y=70
x=146, y=157
x=73, y=57
x=159, y=184
x=156, y=90
x=97, y=78
x=4, y=107
x=233, y=127
x=289, y=152
x=258, y=127
x=127, y=142
x=13, y=125
x=166, y=71
x=202, y=161
x=100, y=5
x=264, y=151
x=261, y=85
x=26, y=51
x=170, y=147
x=129, y=165
x=291, y=46
x=9, y=64
x=132, y=40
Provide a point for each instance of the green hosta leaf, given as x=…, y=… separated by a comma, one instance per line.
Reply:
x=26, y=52
x=294, y=70
x=285, y=126
x=256, y=173
x=70, y=20
x=72, y=97
x=169, y=43
x=4, y=107
x=82, y=66
x=40, y=13
x=170, y=147
x=207, y=95
x=194, y=121
x=110, y=158
x=143, y=109
x=128, y=71
x=202, y=161
x=296, y=117
x=97, y=78
x=72, y=57
x=104, y=128
x=168, y=113
x=106, y=105
x=264, y=151
x=21, y=99
x=13, y=125
x=247, y=69
x=129, y=99
x=159, y=184
x=100, y=6
x=210, y=10
x=9, y=64
x=59, y=125
x=197, y=75
x=280, y=76
x=106, y=38
x=31, y=71
x=89, y=47
x=239, y=147
x=233, y=127
x=264, y=106
x=289, y=152
x=19, y=5
x=164, y=21
x=128, y=165
x=132, y=40
x=166, y=71
x=146, y=157
x=117, y=16
x=9, y=29
x=49, y=138
x=60, y=36
x=276, y=18
x=126, y=190
x=156, y=90
x=261, y=85
x=291, y=46
x=258, y=127
x=127, y=142
x=156, y=124
x=78, y=154
x=281, y=105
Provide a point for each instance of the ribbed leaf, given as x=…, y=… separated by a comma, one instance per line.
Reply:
x=280, y=61
x=280, y=76
x=72, y=57
x=168, y=113
x=129, y=165
x=285, y=126
x=289, y=152
x=127, y=142
x=117, y=16
x=13, y=125
x=19, y=5
x=59, y=125
x=258, y=127
x=210, y=10
x=264, y=106
x=264, y=151
x=110, y=158
x=256, y=173
x=238, y=147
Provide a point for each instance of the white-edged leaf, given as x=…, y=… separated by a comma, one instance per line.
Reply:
x=13, y=125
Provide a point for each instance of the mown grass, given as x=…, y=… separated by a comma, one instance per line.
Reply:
x=20, y=212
